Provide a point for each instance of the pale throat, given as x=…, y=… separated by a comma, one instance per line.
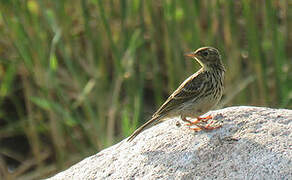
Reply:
x=204, y=66
x=200, y=62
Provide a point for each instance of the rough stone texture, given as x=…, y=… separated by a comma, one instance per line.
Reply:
x=254, y=143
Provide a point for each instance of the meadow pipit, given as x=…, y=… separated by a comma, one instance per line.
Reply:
x=196, y=95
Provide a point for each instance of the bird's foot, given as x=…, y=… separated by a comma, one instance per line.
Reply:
x=191, y=123
x=198, y=120
x=207, y=127
x=204, y=119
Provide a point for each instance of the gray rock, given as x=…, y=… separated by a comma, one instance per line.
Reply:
x=254, y=143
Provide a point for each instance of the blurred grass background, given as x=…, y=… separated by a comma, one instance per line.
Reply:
x=78, y=76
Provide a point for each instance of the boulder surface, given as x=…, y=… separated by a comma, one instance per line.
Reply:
x=253, y=143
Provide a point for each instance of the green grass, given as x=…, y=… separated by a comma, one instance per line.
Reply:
x=79, y=76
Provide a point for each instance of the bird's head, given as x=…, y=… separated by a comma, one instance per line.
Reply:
x=206, y=56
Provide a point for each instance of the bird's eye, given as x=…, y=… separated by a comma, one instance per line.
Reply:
x=205, y=53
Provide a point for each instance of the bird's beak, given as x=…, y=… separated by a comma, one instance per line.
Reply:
x=190, y=54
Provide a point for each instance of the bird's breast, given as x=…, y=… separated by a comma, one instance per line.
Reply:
x=209, y=97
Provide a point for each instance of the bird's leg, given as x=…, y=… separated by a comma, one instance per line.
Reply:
x=207, y=127
x=198, y=120
x=190, y=123
x=184, y=118
x=204, y=119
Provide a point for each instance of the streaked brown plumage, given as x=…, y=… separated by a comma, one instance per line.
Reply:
x=196, y=95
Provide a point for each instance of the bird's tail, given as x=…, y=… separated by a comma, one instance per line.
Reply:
x=153, y=121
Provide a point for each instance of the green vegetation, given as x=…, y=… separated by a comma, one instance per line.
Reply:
x=77, y=76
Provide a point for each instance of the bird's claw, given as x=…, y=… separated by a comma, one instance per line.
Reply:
x=198, y=120
x=204, y=119
x=191, y=123
x=206, y=128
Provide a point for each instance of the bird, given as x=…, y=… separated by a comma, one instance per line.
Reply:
x=195, y=96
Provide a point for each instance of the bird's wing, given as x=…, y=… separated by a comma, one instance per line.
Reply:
x=189, y=89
